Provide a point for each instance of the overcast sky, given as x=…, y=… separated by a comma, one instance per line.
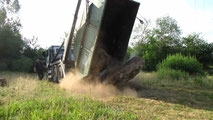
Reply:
x=50, y=19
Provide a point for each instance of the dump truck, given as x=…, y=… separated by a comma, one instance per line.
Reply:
x=53, y=62
x=100, y=43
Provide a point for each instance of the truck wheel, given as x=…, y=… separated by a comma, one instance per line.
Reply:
x=49, y=74
x=60, y=74
x=55, y=74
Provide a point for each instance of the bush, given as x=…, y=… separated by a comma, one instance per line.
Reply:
x=3, y=67
x=181, y=63
x=24, y=64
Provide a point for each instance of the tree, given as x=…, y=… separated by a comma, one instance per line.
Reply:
x=159, y=41
x=32, y=49
x=8, y=9
x=167, y=29
x=16, y=53
x=168, y=34
x=10, y=43
x=10, y=38
x=195, y=45
x=165, y=39
x=140, y=31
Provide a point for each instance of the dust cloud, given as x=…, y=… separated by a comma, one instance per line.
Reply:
x=74, y=84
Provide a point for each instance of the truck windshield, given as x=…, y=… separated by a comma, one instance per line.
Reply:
x=61, y=52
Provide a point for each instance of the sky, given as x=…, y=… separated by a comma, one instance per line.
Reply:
x=50, y=19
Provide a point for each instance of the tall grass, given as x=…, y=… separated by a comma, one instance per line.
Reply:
x=169, y=78
x=29, y=98
x=172, y=74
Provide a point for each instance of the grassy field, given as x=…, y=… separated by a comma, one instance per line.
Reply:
x=28, y=98
x=166, y=99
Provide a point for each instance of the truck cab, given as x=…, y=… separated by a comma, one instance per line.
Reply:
x=54, y=64
x=51, y=52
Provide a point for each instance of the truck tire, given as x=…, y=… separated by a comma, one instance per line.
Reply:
x=55, y=74
x=60, y=74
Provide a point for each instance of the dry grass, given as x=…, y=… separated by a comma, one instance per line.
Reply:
x=22, y=87
x=157, y=99
x=167, y=99
x=29, y=98
x=156, y=109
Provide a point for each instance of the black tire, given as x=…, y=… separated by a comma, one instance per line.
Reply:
x=55, y=74
x=60, y=74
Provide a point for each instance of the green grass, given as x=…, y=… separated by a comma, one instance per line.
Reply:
x=28, y=98
x=62, y=108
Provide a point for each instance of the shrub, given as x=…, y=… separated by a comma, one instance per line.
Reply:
x=3, y=67
x=181, y=63
x=24, y=64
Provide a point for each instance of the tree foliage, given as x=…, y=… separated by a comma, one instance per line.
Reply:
x=160, y=41
x=32, y=49
x=165, y=39
x=11, y=42
x=16, y=53
x=194, y=45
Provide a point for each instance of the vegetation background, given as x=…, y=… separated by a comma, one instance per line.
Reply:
x=152, y=43
x=16, y=52
x=177, y=81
